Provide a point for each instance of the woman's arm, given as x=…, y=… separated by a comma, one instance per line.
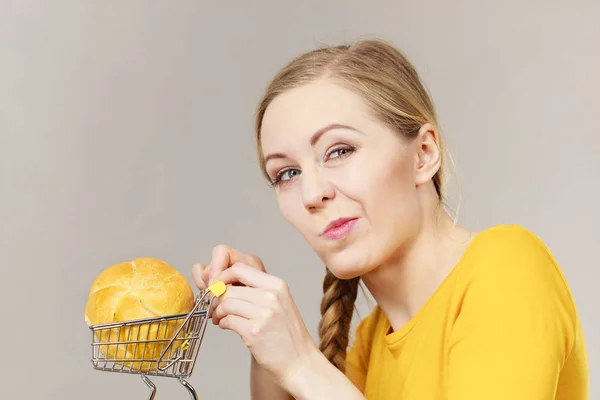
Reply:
x=317, y=378
x=263, y=386
x=516, y=328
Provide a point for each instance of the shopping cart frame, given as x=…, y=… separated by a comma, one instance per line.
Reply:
x=177, y=358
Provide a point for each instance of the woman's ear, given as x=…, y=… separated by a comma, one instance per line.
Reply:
x=429, y=154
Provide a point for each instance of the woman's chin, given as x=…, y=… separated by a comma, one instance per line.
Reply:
x=347, y=266
x=345, y=274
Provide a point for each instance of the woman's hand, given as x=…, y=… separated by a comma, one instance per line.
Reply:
x=260, y=309
x=264, y=315
x=223, y=257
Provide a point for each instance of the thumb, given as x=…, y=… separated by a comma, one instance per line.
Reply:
x=211, y=276
x=200, y=276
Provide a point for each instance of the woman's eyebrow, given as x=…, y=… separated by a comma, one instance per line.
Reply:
x=313, y=139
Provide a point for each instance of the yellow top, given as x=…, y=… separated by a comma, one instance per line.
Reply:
x=502, y=326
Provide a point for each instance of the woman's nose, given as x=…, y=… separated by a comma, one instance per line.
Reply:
x=316, y=190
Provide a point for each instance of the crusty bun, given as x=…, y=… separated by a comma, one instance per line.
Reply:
x=143, y=288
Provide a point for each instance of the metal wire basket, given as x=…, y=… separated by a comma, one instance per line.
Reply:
x=161, y=347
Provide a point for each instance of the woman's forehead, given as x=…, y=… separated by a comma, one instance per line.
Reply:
x=300, y=112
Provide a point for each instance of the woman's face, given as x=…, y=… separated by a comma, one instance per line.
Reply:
x=346, y=182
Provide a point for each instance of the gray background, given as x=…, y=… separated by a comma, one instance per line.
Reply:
x=126, y=130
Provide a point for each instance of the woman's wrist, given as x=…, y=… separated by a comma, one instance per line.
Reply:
x=316, y=378
x=263, y=385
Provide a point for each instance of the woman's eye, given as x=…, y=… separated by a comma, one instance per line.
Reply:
x=337, y=153
x=284, y=177
x=288, y=174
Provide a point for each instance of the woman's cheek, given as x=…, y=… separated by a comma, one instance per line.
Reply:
x=292, y=209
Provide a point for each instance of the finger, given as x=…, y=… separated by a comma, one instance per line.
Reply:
x=249, y=276
x=200, y=276
x=239, y=325
x=241, y=308
x=257, y=296
x=224, y=257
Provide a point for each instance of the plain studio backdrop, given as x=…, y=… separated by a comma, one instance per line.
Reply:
x=126, y=131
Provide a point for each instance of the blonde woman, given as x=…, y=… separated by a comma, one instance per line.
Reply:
x=348, y=138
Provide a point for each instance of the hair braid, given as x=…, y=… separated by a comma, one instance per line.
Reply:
x=337, y=307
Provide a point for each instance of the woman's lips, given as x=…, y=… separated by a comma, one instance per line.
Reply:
x=339, y=229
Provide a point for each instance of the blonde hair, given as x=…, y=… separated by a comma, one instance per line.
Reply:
x=385, y=78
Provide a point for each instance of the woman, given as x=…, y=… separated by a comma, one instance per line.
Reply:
x=348, y=138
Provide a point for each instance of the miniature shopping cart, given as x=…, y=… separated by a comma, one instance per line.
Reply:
x=161, y=347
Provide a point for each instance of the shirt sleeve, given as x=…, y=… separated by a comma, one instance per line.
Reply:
x=516, y=326
x=358, y=355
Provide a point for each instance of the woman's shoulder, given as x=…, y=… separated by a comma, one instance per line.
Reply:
x=510, y=259
x=509, y=247
x=502, y=237
x=368, y=326
x=359, y=352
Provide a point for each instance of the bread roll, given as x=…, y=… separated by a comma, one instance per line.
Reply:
x=143, y=288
